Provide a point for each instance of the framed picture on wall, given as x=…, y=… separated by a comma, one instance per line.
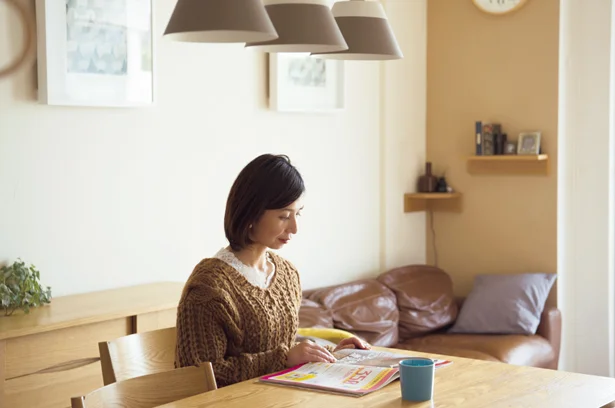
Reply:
x=529, y=143
x=95, y=52
x=301, y=83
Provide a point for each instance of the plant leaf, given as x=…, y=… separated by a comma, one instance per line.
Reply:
x=20, y=288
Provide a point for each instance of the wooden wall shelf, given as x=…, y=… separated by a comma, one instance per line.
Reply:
x=434, y=201
x=511, y=157
x=509, y=164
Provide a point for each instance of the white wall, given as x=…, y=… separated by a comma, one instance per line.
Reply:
x=404, y=93
x=585, y=187
x=101, y=198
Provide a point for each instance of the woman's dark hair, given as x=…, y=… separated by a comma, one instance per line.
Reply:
x=269, y=182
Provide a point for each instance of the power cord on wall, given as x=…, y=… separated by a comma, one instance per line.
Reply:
x=433, y=238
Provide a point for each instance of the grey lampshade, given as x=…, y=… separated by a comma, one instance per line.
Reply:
x=302, y=26
x=220, y=21
x=367, y=32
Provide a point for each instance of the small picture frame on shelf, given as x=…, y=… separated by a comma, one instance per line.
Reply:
x=529, y=143
x=510, y=148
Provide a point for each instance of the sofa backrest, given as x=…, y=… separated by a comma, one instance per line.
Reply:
x=313, y=314
x=365, y=307
x=424, y=297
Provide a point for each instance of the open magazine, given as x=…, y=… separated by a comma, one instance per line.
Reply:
x=356, y=372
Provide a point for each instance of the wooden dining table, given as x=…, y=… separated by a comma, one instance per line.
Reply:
x=465, y=383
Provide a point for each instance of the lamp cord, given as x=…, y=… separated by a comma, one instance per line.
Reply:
x=433, y=238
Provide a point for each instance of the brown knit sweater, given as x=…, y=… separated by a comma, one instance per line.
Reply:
x=243, y=330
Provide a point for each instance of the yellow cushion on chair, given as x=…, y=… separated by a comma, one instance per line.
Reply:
x=332, y=335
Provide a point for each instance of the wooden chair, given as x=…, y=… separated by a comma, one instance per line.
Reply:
x=137, y=354
x=152, y=390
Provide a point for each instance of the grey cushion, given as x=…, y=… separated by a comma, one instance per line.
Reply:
x=504, y=304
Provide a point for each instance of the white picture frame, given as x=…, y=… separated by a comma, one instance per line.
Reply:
x=97, y=53
x=301, y=83
x=529, y=143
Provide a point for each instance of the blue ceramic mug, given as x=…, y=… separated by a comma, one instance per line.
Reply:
x=417, y=378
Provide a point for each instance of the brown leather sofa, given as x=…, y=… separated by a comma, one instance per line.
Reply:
x=412, y=308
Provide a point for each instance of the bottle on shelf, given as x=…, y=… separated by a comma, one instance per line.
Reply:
x=427, y=182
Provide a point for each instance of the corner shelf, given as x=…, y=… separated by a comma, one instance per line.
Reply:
x=414, y=202
x=514, y=164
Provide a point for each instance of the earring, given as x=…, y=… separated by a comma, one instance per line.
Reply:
x=250, y=227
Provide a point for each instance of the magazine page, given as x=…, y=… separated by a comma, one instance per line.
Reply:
x=375, y=358
x=347, y=379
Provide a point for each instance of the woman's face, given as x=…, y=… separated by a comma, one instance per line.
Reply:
x=276, y=227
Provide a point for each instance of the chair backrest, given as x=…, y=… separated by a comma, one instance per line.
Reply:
x=137, y=355
x=152, y=390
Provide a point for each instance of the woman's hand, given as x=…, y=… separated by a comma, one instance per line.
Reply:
x=352, y=342
x=308, y=352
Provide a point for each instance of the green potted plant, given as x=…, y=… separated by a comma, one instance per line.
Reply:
x=20, y=288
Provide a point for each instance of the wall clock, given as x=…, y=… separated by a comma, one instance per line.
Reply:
x=499, y=6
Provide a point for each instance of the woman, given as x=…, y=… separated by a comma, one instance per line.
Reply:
x=239, y=309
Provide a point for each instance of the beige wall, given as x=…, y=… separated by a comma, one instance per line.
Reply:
x=502, y=69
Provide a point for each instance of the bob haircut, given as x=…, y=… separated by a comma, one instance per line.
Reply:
x=269, y=182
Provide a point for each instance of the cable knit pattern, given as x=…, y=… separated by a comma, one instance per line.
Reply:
x=243, y=330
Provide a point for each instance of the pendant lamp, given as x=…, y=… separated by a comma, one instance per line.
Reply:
x=366, y=30
x=302, y=26
x=220, y=21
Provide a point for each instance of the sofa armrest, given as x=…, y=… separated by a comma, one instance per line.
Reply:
x=550, y=327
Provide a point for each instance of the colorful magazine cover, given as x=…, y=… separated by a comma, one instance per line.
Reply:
x=356, y=372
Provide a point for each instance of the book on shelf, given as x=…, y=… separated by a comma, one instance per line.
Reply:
x=489, y=139
x=355, y=373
